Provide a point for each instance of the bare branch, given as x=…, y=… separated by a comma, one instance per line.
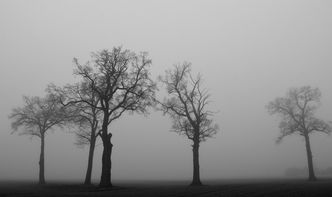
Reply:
x=186, y=104
x=297, y=112
x=38, y=115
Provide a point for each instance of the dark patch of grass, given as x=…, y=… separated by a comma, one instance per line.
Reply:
x=162, y=189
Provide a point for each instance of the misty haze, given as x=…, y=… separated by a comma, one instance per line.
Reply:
x=120, y=94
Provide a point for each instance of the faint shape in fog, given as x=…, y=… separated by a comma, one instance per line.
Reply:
x=36, y=117
x=297, y=112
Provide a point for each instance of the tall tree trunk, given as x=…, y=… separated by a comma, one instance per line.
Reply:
x=105, y=180
x=312, y=176
x=196, y=177
x=41, y=160
x=87, y=180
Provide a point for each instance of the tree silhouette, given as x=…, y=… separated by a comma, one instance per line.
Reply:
x=85, y=118
x=297, y=112
x=36, y=117
x=121, y=80
x=186, y=105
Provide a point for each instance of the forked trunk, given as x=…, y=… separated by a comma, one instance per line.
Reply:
x=196, y=176
x=87, y=180
x=312, y=176
x=105, y=180
x=41, y=160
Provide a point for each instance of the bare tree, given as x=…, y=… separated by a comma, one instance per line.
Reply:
x=37, y=117
x=297, y=112
x=85, y=118
x=121, y=80
x=187, y=106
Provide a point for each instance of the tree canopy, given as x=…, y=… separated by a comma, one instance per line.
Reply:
x=297, y=110
x=38, y=115
x=187, y=103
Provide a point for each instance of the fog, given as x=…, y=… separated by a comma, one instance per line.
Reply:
x=248, y=52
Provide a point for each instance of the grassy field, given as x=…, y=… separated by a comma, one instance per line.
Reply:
x=162, y=188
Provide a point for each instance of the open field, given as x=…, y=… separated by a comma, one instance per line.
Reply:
x=162, y=188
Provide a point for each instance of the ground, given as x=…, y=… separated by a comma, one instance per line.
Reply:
x=223, y=188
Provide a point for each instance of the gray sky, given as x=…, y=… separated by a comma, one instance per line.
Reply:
x=249, y=52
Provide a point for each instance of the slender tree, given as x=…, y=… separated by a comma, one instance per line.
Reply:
x=121, y=80
x=297, y=112
x=187, y=106
x=37, y=117
x=85, y=118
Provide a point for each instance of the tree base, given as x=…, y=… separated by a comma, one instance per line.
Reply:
x=41, y=182
x=312, y=179
x=105, y=185
x=196, y=184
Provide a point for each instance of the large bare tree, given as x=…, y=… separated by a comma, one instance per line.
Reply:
x=297, y=113
x=36, y=117
x=85, y=118
x=187, y=106
x=121, y=80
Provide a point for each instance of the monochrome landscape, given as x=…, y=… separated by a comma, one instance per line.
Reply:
x=166, y=98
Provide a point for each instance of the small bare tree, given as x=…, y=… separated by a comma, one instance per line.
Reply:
x=297, y=112
x=187, y=106
x=37, y=117
x=121, y=80
x=85, y=118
